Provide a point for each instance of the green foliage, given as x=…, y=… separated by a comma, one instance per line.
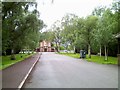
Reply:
x=106, y=28
x=20, y=27
x=69, y=30
x=62, y=48
x=96, y=32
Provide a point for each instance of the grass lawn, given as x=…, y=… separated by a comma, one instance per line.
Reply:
x=94, y=58
x=71, y=55
x=6, y=62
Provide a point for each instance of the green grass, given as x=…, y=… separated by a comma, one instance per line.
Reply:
x=94, y=58
x=6, y=62
x=70, y=54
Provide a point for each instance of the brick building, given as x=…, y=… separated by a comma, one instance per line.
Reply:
x=45, y=46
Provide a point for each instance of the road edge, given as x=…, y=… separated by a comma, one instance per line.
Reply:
x=26, y=76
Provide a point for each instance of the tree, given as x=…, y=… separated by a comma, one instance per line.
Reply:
x=18, y=23
x=79, y=40
x=98, y=36
x=12, y=11
x=116, y=9
x=87, y=33
x=56, y=32
x=69, y=23
x=107, y=29
x=108, y=20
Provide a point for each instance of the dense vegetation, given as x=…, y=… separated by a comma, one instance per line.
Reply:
x=95, y=33
x=20, y=27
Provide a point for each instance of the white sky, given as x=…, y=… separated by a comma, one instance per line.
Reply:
x=49, y=12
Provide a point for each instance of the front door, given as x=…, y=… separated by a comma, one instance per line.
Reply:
x=45, y=50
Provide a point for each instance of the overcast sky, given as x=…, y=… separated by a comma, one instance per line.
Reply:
x=50, y=12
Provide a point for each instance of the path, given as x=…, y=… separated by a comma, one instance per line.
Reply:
x=13, y=76
x=58, y=71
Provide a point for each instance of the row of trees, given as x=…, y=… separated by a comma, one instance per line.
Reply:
x=94, y=33
x=20, y=27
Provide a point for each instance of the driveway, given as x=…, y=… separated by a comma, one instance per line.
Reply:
x=59, y=71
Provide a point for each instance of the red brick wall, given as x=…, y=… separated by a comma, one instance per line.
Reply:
x=44, y=44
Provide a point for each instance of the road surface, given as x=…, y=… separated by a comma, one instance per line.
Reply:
x=59, y=71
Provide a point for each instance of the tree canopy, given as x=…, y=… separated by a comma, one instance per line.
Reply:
x=20, y=27
x=94, y=33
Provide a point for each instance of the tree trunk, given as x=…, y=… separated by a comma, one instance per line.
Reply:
x=5, y=53
x=56, y=47
x=118, y=45
x=100, y=50
x=32, y=51
x=74, y=50
x=23, y=51
x=28, y=51
x=106, y=58
x=12, y=55
x=118, y=49
x=89, y=51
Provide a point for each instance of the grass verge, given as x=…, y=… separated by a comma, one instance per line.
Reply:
x=6, y=62
x=94, y=58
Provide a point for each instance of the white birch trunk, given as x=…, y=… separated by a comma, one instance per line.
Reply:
x=89, y=51
x=105, y=52
x=100, y=50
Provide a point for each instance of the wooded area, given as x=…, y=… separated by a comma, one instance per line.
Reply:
x=20, y=27
x=95, y=33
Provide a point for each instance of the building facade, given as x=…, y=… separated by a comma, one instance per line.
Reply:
x=45, y=46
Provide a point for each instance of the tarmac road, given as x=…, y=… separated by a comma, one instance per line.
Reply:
x=59, y=71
